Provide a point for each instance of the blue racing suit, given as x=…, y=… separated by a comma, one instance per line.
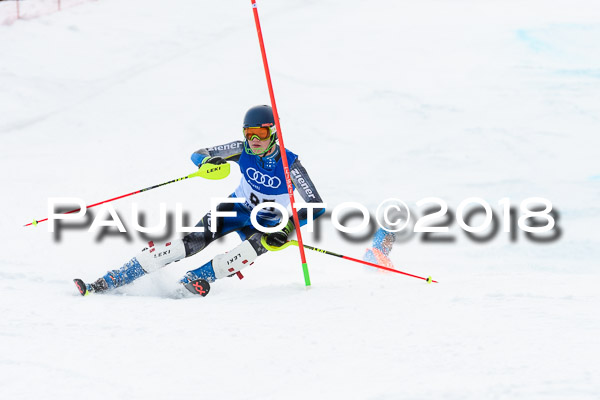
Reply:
x=263, y=180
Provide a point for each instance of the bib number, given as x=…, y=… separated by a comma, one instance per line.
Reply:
x=256, y=201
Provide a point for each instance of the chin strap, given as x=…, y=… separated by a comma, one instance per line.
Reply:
x=249, y=150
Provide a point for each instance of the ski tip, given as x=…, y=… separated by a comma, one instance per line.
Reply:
x=81, y=286
x=198, y=286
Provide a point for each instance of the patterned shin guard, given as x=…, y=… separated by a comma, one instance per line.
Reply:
x=124, y=275
x=148, y=260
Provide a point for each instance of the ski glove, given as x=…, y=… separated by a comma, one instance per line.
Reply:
x=279, y=238
x=214, y=160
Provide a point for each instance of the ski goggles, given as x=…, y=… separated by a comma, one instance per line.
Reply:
x=262, y=133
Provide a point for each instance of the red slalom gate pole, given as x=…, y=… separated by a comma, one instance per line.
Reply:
x=284, y=160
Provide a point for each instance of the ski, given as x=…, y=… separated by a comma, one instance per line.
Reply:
x=198, y=286
x=96, y=287
x=81, y=286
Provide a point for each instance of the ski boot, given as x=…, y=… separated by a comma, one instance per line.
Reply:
x=86, y=288
x=113, y=279
x=197, y=281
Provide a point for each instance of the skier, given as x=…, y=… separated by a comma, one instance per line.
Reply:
x=382, y=246
x=263, y=180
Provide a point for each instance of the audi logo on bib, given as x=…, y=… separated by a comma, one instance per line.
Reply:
x=262, y=179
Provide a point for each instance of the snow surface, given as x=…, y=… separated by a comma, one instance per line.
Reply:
x=381, y=99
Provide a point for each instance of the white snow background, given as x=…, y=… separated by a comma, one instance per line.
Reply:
x=380, y=99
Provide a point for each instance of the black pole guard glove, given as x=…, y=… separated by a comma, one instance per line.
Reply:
x=214, y=160
x=279, y=238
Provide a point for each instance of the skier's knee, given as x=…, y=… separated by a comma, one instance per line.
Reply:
x=256, y=243
x=194, y=242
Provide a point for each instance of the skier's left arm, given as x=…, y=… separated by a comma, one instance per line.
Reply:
x=308, y=191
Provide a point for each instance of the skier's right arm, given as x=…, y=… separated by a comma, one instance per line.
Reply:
x=228, y=152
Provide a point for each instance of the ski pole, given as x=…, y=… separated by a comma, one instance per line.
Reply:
x=286, y=169
x=208, y=171
x=295, y=243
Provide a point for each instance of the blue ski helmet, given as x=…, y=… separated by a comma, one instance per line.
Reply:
x=260, y=117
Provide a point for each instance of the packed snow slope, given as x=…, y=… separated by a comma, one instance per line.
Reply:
x=404, y=99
